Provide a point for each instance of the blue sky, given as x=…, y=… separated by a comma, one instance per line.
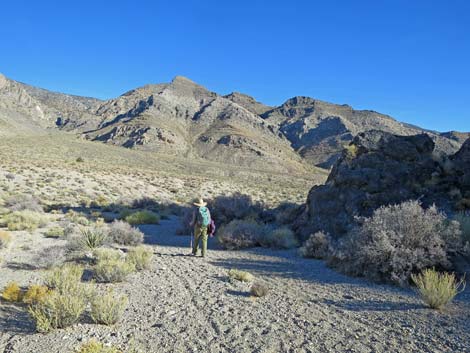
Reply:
x=409, y=59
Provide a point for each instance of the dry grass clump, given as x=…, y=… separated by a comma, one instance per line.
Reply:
x=94, y=346
x=140, y=257
x=142, y=217
x=316, y=246
x=108, y=309
x=397, y=241
x=123, y=233
x=12, y=293
x=242, y=276
x=25, y=220
x=280, y=238
x=437, y=289
x=112, y=270
x=239, y=234
x=259, y=290
x=5, y=239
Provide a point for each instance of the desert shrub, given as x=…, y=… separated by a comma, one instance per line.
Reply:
x=145, y=202
x=107, y=309
x=437, y=289
x=225, y=209
x=397, y=241
x=240, y=234
x=142, y=217
x=25, y=220
x=464, y=221
x=93, y=237
x=111, y=270
x=65, y=279
x=259, y=290
x=36, y=294
x=58, y=310
x=286, y=213
x=100, y=201
x=107, y=254
x=123, y=233
x=12, y=292
x=281, y=238
x=77, y=218
x=140, y=257
x=50, y=257
x=80, y=160
x=94, y=346
x=242, y=276
x=316, y=246
x=5, y=239
x=54, y=232
x=22, y=202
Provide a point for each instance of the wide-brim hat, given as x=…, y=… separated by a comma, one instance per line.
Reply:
x=200, y=203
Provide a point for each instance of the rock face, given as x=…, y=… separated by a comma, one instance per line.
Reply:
x=380, y=168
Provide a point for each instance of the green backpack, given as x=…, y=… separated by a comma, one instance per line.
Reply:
x=203, y=216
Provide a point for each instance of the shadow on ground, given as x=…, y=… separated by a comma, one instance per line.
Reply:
x=15, y=319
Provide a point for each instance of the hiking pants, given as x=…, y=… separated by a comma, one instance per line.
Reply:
x=200, y=233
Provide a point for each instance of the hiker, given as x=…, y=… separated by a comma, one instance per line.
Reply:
x=200, y=221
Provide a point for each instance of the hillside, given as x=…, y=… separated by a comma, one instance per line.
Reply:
x=185, y=119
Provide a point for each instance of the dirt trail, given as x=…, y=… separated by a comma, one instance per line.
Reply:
x=186, y=304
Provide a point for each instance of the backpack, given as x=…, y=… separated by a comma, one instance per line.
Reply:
x=203, y=216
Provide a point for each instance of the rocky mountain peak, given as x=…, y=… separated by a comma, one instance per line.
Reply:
x=3, y=81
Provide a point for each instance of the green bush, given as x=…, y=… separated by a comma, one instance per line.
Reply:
x=54, y=232
x=94, y=346
x=111, y=270
x=65, y=279
x=437, y=289
x=107, y=309
x=140, y=257
x=142, y=217
x=106, y=254
x=25, y=220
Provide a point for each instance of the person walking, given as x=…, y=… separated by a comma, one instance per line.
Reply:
x=200, y=221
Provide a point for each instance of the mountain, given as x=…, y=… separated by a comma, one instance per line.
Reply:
x=184, y=118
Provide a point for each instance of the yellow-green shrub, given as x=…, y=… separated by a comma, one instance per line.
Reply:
x=240, y=275
x=65, y=279
x=94, y=346
x=36, y=294
x=112, y=270
x=12, y=292
x=142, y=217
x=25, y=220
x=107, y=309
x=140, y=257
x=5, y=238
x=54, y=232
x=437, y=289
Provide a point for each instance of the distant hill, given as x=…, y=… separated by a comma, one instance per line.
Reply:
x=186, y=119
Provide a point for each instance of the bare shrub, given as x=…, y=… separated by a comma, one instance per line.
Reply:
x=50, y=257
x=397, y=241
x=280, y=238
x=464, y=222
x=23, y=202
x=240, y=234
x=437, y=289
x=225, y=209
x=316, y=246
x=123, y=233
x=239, y=275
x=259, y=290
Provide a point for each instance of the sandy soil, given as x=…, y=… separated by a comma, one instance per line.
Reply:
x=187, y=304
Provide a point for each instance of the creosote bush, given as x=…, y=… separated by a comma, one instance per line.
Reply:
x=397, y=241
x=107, y=309
x=12, y=292
x=139, y=257
x=242, y=276
x=259, y=290
x=142, y=217
x=123, y=233
x=437, y=289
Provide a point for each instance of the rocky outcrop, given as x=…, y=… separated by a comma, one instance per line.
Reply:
x=380, y=168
